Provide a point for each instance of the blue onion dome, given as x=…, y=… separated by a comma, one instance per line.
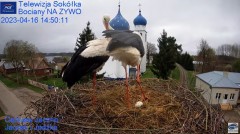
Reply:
x=119, y=22
x=140, y=20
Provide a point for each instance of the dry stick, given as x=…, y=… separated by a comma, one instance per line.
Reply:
x=97, y=116
x=185, y=121
x=206, y=127
x=46, y=105
x=101, y=128
x=56, y=106
x=70, y=103
x=177, y=118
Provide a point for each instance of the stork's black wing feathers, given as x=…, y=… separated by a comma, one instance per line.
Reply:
x=110, y=33
x=73, y=58
x=124, y=38
x=79, y=66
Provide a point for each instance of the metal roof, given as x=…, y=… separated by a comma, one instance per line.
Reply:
x=8, y=65
x=140, y=20
x=221, y=79
x=119, y=22
x=1, y=63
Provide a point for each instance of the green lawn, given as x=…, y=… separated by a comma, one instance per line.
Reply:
x=148, y=73
x=21, y=78
x=57, y=82
x=11, y=84
x=191, y=79
x=175, y=74
x=36, y=89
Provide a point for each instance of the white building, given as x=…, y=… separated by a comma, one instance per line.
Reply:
x=219, y=87
x=140, y=26
x=113, y=69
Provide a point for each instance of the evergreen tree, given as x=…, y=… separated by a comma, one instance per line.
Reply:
x=236, y=66
x=85, y=36
x=164, y=61
x=186, y=60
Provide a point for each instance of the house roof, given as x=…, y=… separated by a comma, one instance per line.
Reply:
x=7, y=65
x=1, y=63
x=37, y=63
x=235, y=77
x=221, y=79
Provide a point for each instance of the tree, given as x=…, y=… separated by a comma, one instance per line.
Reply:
x=206, y=55
x=186, y=60
x=151, y=49
x=85, y=36
x=229, y=50
x=164, y=61
x=18, y=52
x=236, y=66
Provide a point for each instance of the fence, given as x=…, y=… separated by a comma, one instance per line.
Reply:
x=38, y=84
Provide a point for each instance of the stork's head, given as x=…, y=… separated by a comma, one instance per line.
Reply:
x=106, y=20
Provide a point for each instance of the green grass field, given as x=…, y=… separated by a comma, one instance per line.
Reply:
x=57, y=82
x=175, y=74
x=191, y=79
x=148, y=73
x=36, y=89
x=9, y=83
x=13, y=85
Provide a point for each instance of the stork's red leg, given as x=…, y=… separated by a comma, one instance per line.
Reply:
x=139, y=83
x=127, y=97
x=94, y=89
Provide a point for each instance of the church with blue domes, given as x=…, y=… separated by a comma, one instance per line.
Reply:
x=113, y=69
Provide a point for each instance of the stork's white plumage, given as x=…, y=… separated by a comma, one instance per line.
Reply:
x=87, y=59
x=125, y=46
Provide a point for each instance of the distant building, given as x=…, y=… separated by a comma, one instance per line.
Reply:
x=7, y=67
x=38, y=66
x=113, y=68
x=219, y=87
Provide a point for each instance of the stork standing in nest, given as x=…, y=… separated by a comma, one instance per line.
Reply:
x=123, y=45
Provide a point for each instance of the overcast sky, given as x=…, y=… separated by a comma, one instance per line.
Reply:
x=189, y=21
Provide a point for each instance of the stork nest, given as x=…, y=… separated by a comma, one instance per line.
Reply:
x=170, y=108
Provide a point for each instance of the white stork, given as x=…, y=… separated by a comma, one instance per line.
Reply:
x=82, y=64
x=125, y=46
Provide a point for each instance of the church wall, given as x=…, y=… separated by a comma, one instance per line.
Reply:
x=141, y=30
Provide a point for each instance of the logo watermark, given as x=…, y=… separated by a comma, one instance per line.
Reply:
x=8, y=7
x=233, y=128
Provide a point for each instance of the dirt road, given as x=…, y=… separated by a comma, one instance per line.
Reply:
x=9, y=103
x=13, y=102
x=26, y=95
x=183, y=75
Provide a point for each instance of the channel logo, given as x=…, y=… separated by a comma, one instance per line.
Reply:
x=8, y=7
x=233, y=128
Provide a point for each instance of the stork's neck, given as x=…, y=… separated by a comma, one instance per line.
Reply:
x=107, y=26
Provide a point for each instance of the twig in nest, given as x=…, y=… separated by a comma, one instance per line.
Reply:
x=70, y=103
x=101, y=128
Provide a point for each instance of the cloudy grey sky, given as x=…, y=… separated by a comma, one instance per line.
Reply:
x=217, y=21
